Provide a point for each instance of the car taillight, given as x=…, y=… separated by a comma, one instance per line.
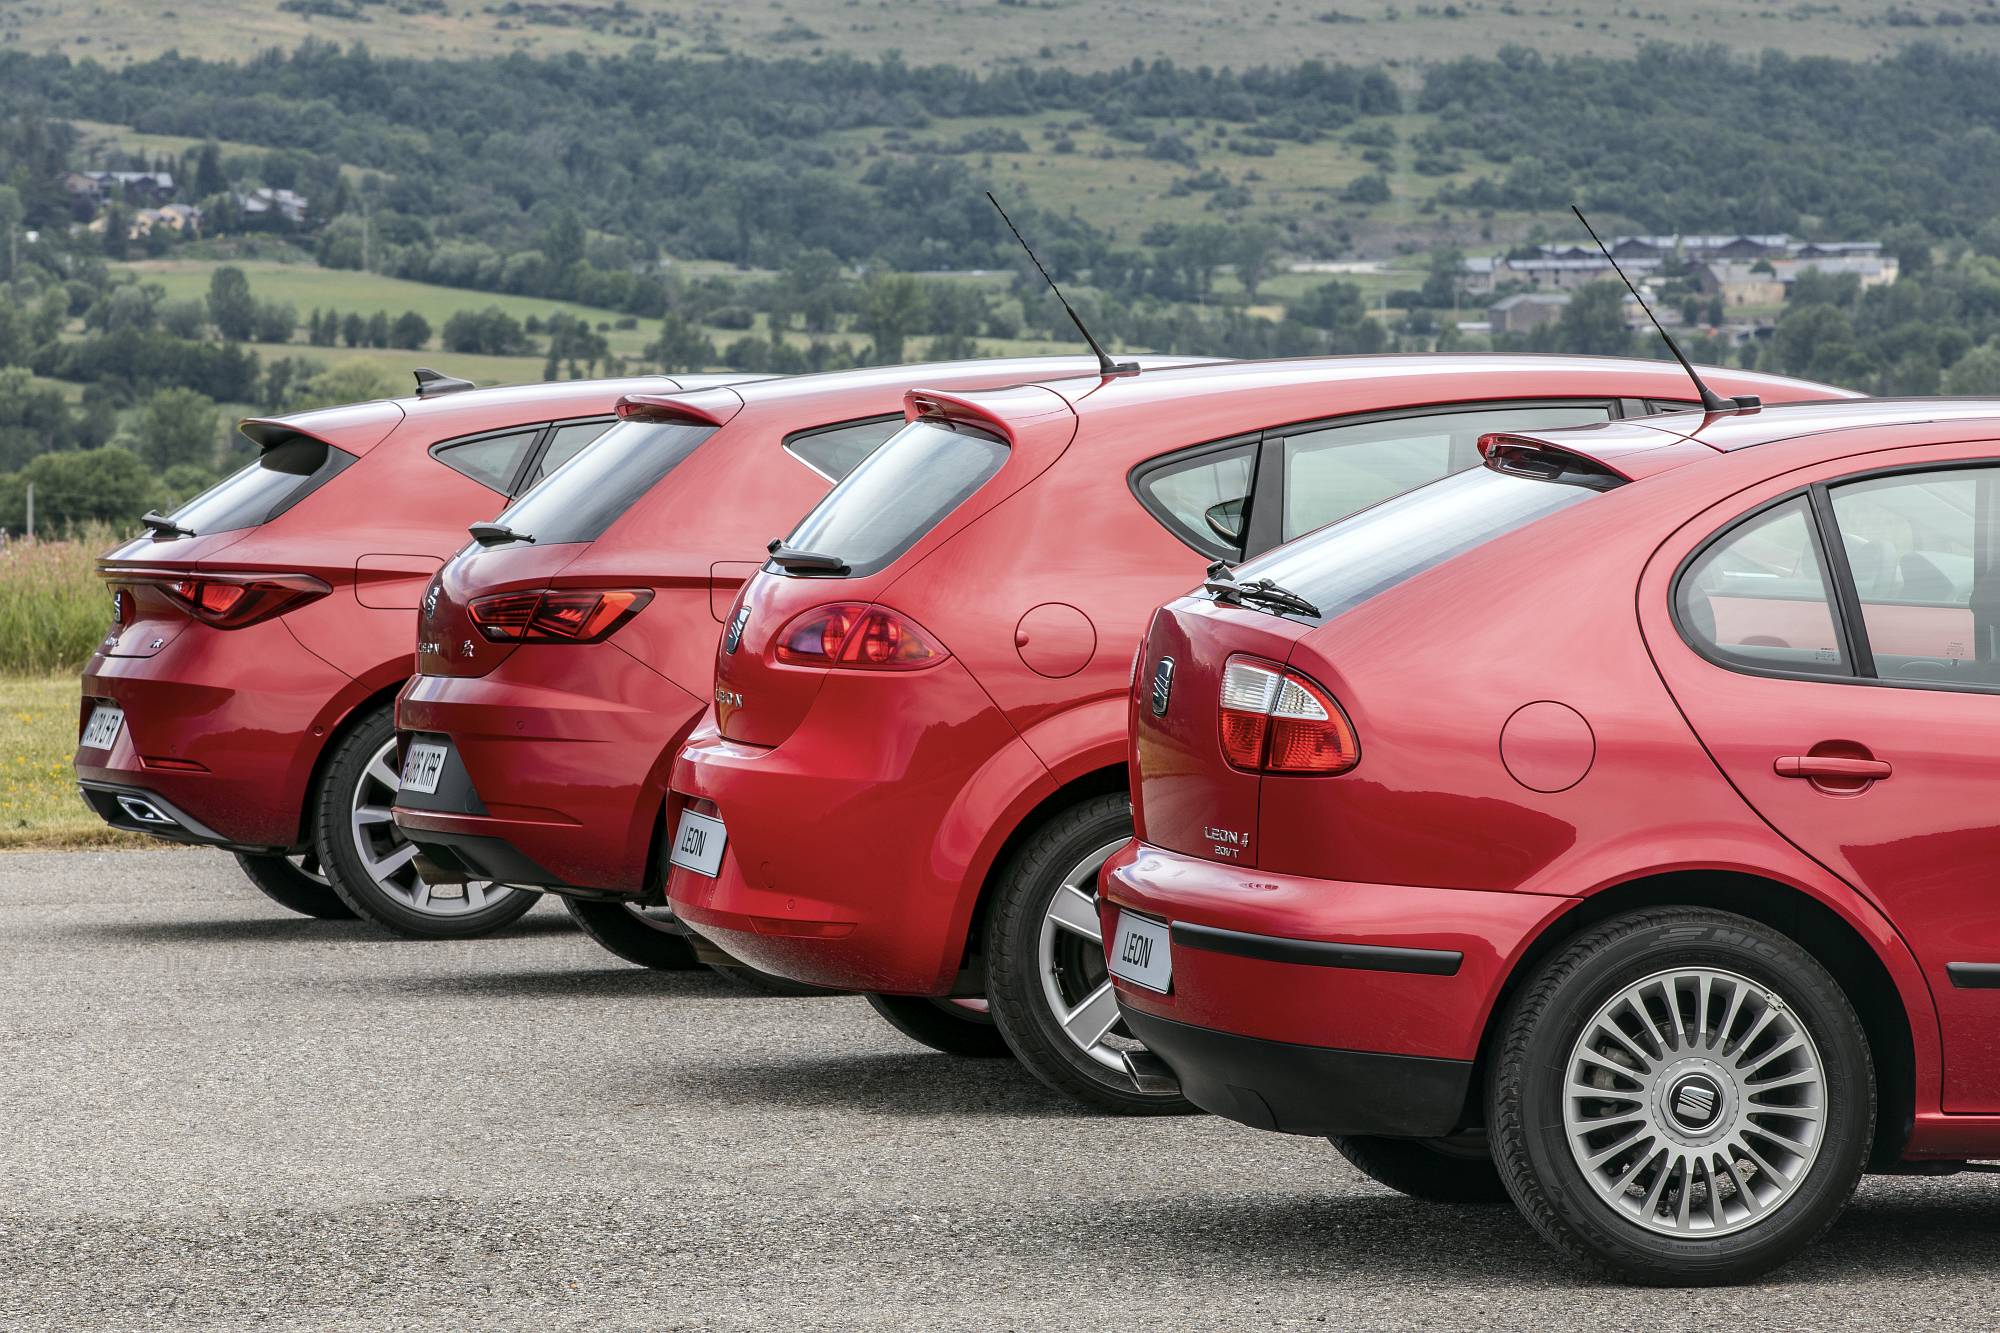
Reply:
x=1278, y=721
x=855, y=634
x=231, y=602
x=556, y=615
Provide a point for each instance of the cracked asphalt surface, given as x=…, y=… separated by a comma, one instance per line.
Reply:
x=215, y=1114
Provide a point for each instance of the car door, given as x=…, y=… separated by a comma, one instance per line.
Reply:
x=1833, y=640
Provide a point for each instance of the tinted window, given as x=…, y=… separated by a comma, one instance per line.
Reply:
x=838, y=450
x=1342, y=565
x=493, y=461
x=1204, y=499
x=1341, y=470
x=1758, y=597
x=564, y=444
x=601, y=482
x=281, y=477
x=899, y=493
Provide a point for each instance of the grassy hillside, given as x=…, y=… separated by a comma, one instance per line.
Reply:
x=1078, y=34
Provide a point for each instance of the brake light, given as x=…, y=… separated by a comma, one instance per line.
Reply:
x=231, y=602
x=855, y=634
x=1278, y=721
x=556, y=615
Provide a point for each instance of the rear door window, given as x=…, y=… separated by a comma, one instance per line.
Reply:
x=282, y=476
x=566, y=441
x=1913, y=547
x=578, y=502
x=494, y=461
x=898, y=493
x=1759, y=598
x=835, y=451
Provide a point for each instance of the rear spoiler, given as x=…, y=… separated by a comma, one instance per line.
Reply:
x=703, y=407
x=1618, y=451
x=1006, y=412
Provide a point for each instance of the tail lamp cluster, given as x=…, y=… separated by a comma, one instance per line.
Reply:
x=231, y=602
x=555, y=615
x=1277, y=721
x=856, y=634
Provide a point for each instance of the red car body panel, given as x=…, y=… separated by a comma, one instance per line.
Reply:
x=1039, y=585
x=227, y=725
x=1480, y=821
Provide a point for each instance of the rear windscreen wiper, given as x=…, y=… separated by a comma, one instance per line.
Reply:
x=163, y=526
x=493, y=534
x=794, y=561
x=1262, y=591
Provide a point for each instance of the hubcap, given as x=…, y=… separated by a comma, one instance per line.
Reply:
x=1074, y=980
x=387, y=855
x=1694, y=1102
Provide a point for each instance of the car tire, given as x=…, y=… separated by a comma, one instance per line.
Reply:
x=634, y=936
x=1433, y=1170
x=357, y=779
x=295, y=887
x=1045, y=975
x=941, y=1025
x=1718, y=1037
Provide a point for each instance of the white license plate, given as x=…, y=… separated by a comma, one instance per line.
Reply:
x=698, y=844
x=423, y=766
x=102, y=729
x=1141, y=953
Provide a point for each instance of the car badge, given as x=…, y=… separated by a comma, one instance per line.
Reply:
x=1163, y=685
x=431, y=600
x=734, y=634
x=465, y=649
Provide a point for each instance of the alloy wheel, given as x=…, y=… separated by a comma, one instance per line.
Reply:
x=1070, y=953
x=389, y=857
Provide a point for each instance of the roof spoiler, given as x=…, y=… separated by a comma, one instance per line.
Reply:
x=431, y=383
x=1003, y=411
x=704, y=407
x=267, y=433
x=1527, y=456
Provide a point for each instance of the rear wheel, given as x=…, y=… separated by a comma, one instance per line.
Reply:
x=648, y=936
x=1455, y=1170
x=295, y=883
x=956, y=1027
x=369, y=862
x=1045, y=974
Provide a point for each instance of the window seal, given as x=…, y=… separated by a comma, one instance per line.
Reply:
x=541, y=429
x=539, y=450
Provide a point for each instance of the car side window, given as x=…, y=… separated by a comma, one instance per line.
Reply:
x=1339, y=470
x=835, y=451
x=491, y=460
x=565, y=442
x=1758, y=597
x=1204, y=498
x=1912, y=541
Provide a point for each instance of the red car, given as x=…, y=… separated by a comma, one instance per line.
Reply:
x=916, y=760
x=260, y=632
x=567, y=653
x=1603, y=825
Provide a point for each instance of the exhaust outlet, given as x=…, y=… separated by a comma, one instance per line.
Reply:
x=143, y=811
x=1149, y=1073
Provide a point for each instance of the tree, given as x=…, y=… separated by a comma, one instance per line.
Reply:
x=491, y=330
x=378, y=329
x=354, y=382
x=231, y=308
x=277, y=321
x=353, y=331
x=1977, y=373
x=1441, y=283
x=1250, y=251
x=176, y=426
x=184, y=319
x=80, y=486
x=681, y=346
x=1593, y=323
x=411, y=330
x=208, y=177
x=892, y=309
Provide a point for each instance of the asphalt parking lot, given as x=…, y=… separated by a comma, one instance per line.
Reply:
x=215, y=1114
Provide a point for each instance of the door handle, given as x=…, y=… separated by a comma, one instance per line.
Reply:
x=1831, y=766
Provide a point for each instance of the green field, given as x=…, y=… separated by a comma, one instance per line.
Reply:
x=983, y=34
x=39, y=806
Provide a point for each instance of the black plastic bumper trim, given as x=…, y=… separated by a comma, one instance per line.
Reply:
x=1973, y=976
x=1318, y=953
x=483, y=856
x=102, y=798
x=1298, y=1089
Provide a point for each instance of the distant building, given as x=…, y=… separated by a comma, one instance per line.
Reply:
x=1524, y=312
x=1733, y=245
x=264, y=202
x=1770, y=282
x=1545, y=272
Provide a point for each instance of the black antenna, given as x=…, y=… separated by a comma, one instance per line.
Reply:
x=1711, y=401
x=1105, y=365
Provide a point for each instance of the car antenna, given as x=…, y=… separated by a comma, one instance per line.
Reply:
x=1711, y=401
x=1105, y=365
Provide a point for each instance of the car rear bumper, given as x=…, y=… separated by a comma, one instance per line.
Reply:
x=558, y=768
x=1319, y=1007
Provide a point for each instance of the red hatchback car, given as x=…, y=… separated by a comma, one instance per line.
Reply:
x=260, y=632
x=567, y=653
x=916, y=760
x=1604, y=825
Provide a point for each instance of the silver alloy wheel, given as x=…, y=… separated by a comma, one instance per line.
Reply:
x=387, y=855
x=1071, y=955
x=1694, y=1102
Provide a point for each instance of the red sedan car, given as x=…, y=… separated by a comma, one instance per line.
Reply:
x=260, y=632
x=565, y=656
x=1605, y=824
x=916, y=762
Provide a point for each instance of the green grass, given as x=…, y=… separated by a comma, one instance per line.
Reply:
x=39, y=807
x=53, y=608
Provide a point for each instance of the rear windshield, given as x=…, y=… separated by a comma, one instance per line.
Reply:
x=899, y=493
x=282, y=476
x=586, y=495
x=1344, y=564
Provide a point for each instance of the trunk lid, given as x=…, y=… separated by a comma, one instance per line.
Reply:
x=448, y=643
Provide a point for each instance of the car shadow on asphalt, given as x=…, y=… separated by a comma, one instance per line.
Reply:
x=919, y=1083
x=301, y=930
x=546, y=983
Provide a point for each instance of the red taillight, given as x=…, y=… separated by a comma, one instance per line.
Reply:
x=232, y=601
x=1278, y=721
x=556, y=615
x=855, y=634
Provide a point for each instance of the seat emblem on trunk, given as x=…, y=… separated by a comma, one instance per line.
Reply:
x=1163, y=685
x=734, y=634
x=431, y=601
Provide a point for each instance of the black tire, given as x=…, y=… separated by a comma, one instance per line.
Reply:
x=1526, y=1103
x=1020, y=900
x=1433, y=1170
x=632, y=936
x=942, y=1025
x=341, y=777
x=293, y=888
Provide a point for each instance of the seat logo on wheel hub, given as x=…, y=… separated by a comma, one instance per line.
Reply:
x=1694, y=1102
